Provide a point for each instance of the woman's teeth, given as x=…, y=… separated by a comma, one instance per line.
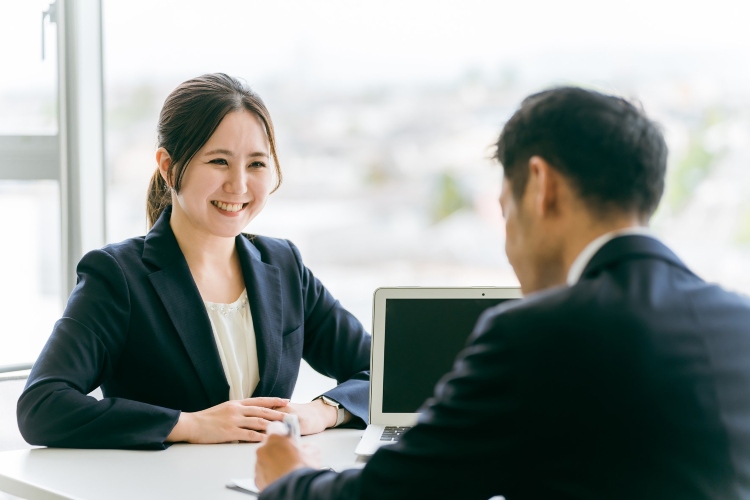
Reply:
x=228, y=207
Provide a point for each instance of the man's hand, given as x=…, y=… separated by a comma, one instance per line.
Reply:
x=243, y=420
x=279, y=456
x=314, y=417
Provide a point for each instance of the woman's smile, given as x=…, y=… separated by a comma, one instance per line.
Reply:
x=229, y=208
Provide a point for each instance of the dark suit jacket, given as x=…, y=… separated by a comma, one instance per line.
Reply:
x=136, y=325
x=634, y=383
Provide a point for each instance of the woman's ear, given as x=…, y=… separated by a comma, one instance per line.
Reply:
x=163, y=160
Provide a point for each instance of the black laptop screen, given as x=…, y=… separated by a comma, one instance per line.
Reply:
x=422, y=339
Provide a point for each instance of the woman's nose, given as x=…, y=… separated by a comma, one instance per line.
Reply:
x=236, y=183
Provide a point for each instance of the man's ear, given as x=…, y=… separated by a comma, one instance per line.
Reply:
x=545, y=183
x=164, y=161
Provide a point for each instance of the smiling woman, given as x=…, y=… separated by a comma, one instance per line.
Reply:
x=196, y=331
x=231, y=115
x=226, y=187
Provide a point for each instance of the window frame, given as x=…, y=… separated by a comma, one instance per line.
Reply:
x=75, y=155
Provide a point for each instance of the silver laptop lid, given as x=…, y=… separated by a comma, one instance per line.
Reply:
x=416, y=335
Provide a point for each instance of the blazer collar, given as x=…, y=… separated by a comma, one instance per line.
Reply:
x=263, y=284
x=629, y=247
x=178, y=292
x=160, y=246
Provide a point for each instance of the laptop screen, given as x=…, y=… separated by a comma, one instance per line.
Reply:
x=423, y=338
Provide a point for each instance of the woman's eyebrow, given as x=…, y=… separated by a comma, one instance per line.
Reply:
x=219, y=151
x=229, y=153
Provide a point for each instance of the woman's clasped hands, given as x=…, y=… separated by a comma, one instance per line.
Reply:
x=247, y=420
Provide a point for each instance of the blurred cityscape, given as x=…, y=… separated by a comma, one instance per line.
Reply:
x=393, y=185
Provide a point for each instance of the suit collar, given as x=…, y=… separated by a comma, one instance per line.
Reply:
x=629, y=247
x=160, y=246
x=263, y=284
x=579, y=264
x=179, y=294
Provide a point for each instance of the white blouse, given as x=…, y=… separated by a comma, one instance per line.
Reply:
x=232, y=325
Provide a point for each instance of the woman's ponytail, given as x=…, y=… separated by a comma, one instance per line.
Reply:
x=158, y=198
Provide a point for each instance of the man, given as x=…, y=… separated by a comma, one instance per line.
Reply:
x=620, y=375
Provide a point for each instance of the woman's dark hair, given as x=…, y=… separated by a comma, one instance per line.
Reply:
x=607, y=148
x=188, y=118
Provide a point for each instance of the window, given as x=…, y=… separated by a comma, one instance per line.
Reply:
x=51, y=164
x=386, y=112
x=30, y=255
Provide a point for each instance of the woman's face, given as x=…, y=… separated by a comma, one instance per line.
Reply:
x=228, y=181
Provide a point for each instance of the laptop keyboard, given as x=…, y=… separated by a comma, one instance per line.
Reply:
x=393, y=433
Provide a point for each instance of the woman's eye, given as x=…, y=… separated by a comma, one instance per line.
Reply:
x=218, y=161
x=257, y=164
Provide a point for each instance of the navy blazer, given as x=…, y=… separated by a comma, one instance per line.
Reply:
x=633, y=383
x=136, y=325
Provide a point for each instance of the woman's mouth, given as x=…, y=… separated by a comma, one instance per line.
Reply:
x=228, y=207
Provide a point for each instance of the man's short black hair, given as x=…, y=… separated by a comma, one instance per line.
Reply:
x=612, y=154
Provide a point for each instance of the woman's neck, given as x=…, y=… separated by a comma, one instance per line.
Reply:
x=199, y=247
x=213, y=261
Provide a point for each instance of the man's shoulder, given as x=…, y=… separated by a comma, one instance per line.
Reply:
x=615, y=307
x=533, y=317
x=560, y=316
x=539, y=306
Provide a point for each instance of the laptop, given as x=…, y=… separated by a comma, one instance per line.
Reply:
x=416, y=335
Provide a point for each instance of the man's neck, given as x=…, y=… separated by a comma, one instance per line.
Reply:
x=579, y=240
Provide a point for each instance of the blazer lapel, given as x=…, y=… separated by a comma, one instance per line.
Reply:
x=263, y=283
x=178, y=292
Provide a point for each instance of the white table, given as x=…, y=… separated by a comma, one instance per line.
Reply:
x=184, y=471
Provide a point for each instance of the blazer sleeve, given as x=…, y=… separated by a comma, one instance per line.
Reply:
x=467, y=440
x=54, y=408
x=336, y=345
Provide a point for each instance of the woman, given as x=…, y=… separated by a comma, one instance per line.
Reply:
x=195, y=332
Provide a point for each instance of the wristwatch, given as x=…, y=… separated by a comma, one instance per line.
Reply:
x=341, y=413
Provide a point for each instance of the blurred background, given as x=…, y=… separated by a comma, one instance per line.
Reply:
x=386, y=112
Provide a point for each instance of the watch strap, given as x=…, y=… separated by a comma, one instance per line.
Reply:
x=340, y=411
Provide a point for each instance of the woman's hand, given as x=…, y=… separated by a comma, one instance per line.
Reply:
x=243, y=420
x=314, y=417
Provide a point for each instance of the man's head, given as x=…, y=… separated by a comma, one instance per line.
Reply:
x=577, y=164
